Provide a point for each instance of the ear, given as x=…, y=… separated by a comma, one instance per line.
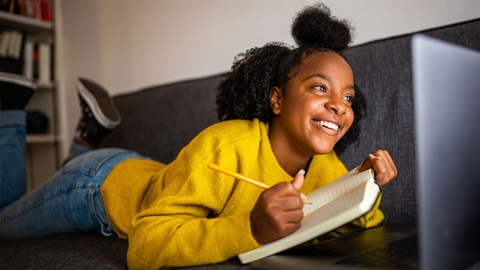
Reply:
x=276, y=99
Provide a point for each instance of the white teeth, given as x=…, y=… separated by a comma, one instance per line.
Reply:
x=330, y=125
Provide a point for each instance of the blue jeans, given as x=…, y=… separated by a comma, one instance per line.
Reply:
x=70, y=202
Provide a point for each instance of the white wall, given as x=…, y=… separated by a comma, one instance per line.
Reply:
x=128, y=45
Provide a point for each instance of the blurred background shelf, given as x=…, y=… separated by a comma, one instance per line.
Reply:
x=27, y=33
x=42, y=29
x=41, y=138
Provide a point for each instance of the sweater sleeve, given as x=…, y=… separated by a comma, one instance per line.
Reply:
x=187, y=225
x=187, y=241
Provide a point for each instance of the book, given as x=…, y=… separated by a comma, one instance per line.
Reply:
x=16, y=44
x=4, y=5
x=11, y=48
x=4, y=43
x=44, y=63
x=333, y=205
x=46, y=10
x=28, y=59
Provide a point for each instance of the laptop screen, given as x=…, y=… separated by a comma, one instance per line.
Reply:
x=446, y=81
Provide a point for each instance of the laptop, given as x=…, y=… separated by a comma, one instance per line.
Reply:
x=446, y=91
x=446, y=85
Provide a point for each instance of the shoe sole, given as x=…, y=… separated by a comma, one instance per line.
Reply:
x=100, y=103
x=17, y=79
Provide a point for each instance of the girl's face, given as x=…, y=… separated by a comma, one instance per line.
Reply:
x=316, y=109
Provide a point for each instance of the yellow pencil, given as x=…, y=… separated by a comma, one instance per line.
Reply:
x=246, y=179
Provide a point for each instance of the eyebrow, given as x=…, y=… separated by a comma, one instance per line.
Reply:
x=325, y=77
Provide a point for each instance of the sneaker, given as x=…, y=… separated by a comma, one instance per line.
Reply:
x=15, y=91
x=99, y=113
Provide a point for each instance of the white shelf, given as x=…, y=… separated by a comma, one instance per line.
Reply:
x=41, y=138
x=24, y=23
x=46, y=86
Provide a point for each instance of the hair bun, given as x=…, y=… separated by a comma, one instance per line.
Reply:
x=315, y=27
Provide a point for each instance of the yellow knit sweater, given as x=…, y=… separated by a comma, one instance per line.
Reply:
x=185, y=214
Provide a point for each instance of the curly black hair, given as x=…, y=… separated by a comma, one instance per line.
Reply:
x=245, y=91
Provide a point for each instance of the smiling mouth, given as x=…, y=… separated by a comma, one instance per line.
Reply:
x=327, y=124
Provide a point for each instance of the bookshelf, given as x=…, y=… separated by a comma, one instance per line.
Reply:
x=42, y=149
x=30, y=25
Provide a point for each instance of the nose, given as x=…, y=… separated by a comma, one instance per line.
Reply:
x=337, y=105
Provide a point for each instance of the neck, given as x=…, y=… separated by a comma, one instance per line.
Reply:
x=290, y=159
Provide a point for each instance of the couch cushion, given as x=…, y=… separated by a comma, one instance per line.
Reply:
x=383, y=72
x=161, y=120
x=77, y=252
x=64, y=252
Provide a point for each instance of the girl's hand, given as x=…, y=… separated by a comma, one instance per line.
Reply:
x=382, y=163
x=278, y=211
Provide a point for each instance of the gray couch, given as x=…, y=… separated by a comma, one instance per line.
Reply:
x=160, y=120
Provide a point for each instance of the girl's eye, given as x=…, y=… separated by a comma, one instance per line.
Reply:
x=320, y=88
x=348, y=98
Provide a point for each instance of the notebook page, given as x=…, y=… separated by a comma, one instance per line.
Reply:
x=352, y=198
x=334, y=189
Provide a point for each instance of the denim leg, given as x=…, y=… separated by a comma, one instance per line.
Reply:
x=13, y=175
x=70, y=202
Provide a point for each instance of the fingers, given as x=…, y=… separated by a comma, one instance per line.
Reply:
x=278, y=211
x=287, y=195
x=298, y=180
x=383, y=165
